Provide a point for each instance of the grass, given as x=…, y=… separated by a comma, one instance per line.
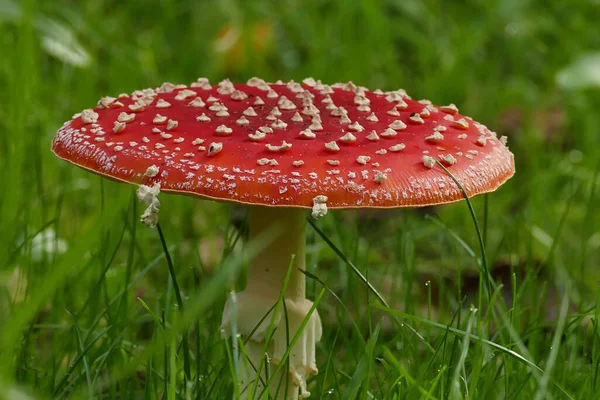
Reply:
x=88, y=308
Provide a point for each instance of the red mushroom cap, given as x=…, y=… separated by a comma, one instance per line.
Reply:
x=283, y=144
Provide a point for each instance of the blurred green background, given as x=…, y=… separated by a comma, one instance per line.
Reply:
x=74, y=260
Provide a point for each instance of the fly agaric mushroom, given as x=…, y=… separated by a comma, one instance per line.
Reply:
x=283, y=148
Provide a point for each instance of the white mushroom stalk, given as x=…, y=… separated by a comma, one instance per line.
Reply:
x=266, y=275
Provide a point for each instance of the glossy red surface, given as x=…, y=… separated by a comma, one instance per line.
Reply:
x=388, y=179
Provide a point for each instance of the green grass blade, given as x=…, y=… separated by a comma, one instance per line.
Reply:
x=360, y=376
x=186, y=347
x=475, y=338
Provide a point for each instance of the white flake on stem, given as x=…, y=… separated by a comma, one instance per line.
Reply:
x=149, y=196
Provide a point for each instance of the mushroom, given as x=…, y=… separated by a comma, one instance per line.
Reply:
x=391, y=162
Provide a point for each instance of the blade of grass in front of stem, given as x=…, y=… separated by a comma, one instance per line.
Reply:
x=264, y=240
x=271, y=329
x=284, y=359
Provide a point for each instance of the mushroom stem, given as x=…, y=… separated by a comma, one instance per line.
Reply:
x=267, y=270
x=266, y=275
